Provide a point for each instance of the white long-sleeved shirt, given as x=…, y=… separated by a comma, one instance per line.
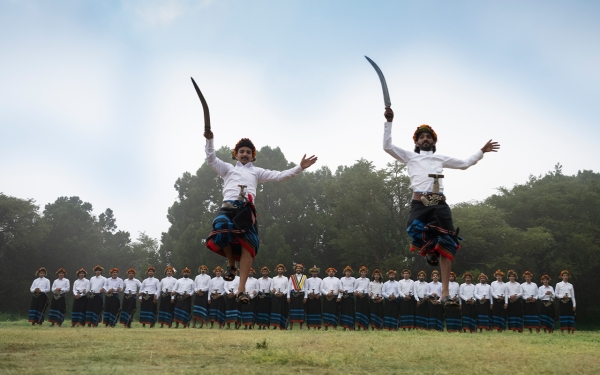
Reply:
x=406, y=288
x=113, y=284
x=264, y=285
x=497, y=290
x=529, y=290
x=467, y=291
x=81, y=286
x=313, y=284
x=291, y=288
x=64, y=285
x=185, y=285
x=241, y=174
x=361, y=285
x=434, y=288
x=202, y=282
x=512, y=289
x=563, y=288
x=132, y=286
x=150, y=285
x=232, y=286
x=97, y=283
x=347, y=284
x=454, y=291
x=542, y=293
x=217, y=285
x=42, y=283
x=424, y=163
x=482, y=290
x=279, y=284
x=331, y=284
x=421, y=288
x=390, y=288
x=167, y=284
x=251, y=287
x=375, y=289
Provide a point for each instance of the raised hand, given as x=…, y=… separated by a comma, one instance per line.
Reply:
x=208, y=134
x=491, y=147
x=305, y=163
x=389, y=114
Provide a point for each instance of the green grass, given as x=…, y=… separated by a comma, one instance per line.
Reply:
x=48, y=350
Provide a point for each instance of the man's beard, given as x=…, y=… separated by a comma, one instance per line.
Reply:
x=186, y=276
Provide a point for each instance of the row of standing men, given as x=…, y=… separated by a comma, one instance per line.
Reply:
x=279, y=302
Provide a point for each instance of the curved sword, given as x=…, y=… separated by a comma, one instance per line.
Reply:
x=204, y=106
x=386, y=94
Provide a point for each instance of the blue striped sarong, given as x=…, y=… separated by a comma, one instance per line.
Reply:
x=225, y=232
x=217, y=311
x=391, y=314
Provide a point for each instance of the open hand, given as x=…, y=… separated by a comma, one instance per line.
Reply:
x=305, y=163
x=491, y=147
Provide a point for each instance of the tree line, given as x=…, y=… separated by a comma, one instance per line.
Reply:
x=355, y=215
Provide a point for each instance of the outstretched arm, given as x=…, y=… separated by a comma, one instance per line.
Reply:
x=211, y=157
x=491, y=147
x=396, y=152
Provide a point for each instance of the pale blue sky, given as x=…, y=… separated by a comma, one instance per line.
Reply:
x=95, y=97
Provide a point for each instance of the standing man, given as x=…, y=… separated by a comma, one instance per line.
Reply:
x=330, y=289
x=313, y=302
x=181, y=296
x=131, y=286
x=497, y=290
x=58, y=306
x=361, y=294
x=296, y=294
x=165, y=309
x=436, y=310
x=567, y=307
x=430, y=221
x=263, y=305
x=80, y=289
x=406, y=287
x=422, y=298
x=216, y=298
x=548, y=311
x=112, y=303
x=232, y=314
x=148, y=297
x=279, y=286
x=248, y=310
x=347, y=299
x=512, y=302
x=95, y=302
x=468, y=308
x=391, y=309
x=201, y=284
x=376, y=296
x=483, y=297
x=531, y=315
x=237, y=240
x=452, y=311
x=39, y=301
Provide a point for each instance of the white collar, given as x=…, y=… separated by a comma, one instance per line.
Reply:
x=247, y=165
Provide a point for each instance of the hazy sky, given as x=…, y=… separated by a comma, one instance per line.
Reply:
x=96, y=99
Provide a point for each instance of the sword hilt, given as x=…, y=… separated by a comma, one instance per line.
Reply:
x=436, y=183
x=242, y=196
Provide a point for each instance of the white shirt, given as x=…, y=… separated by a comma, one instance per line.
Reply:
x=375, y=289
x=81, y=286
x=185, y=285
x=347, y=284
x=241, y=174
x=97, y=283
x=132, y=286
x=361, y=285
x=497, y=290
x=512, y=289
x=542, y=293
x=291, y=285
x=151, y=286
x=420, y=165
x=279, y=284
x=313, y=283
x=264, y=285
x=406, y=287
x=42, y=283
x=454, y=291
x=217, y=284
x=232, y=286
x=467, y=291
x=482, y=290
x=563, y=288
x=390, y=288
x=167, y=284
x=331, y=284
x=202, y=282
x=113, y=283
x=251, y=287
x=421, y=288
x=64, y=285
x=435, y=287
x=529, y=290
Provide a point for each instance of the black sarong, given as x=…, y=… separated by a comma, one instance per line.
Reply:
x=297, y=308
x=347, y=312
x=148, y=311
x=407, y=313
x=498, y=315
x=248, y=312
x=165, y=310
x=453, y=319
x=217, y=310
x=566, y=316
x=431, y=229
x=547, y=317
x=128, y=310
x=93, y=310
x=263, y=309
x=112, y=308
x=515, y=315
x=469, y=316
x=37, y=308
x=279, y=312
x=330, y=312
x=201, y=307
x=313, y=312
x=58, y=307
x=531, y=315
x=483, y=315
x=232, y=314
x=422, y=315
x=436, y=316
x=362, y=311
x=78, y=311
x=181, y=312
x=391, y=314
x=376, y=314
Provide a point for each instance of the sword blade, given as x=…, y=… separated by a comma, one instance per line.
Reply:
x=386, y=94
x=204, y=106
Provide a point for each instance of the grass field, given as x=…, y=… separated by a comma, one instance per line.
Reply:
x=51, y=350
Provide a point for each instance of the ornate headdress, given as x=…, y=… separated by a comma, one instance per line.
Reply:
x=133, y=270
x=114, y=269
x=331, y=269
x=424, y=129
x=185, y=270
x=545, y=276
x=435, y=272
x=422, y=273
x=563, y=272
x=498, y=272
x=406, y=270
x=252, y=270
x=376, y=270
x=467, y=274
x=169, y=268
x=218, y=268
x=527, y=273
x=452, y=274
x=151, y=268
x=98, y=268
x=390, y=272
x=482, y=275
x=314, y=269
x=363, y=268
x=299, y=265
x=348, y=268
x=281, y=265
x=244, y=142
x=510, y=273
x=61, y=270
x=80, y=271
x=41, y=269
x=203, y=267
x=265, y=268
